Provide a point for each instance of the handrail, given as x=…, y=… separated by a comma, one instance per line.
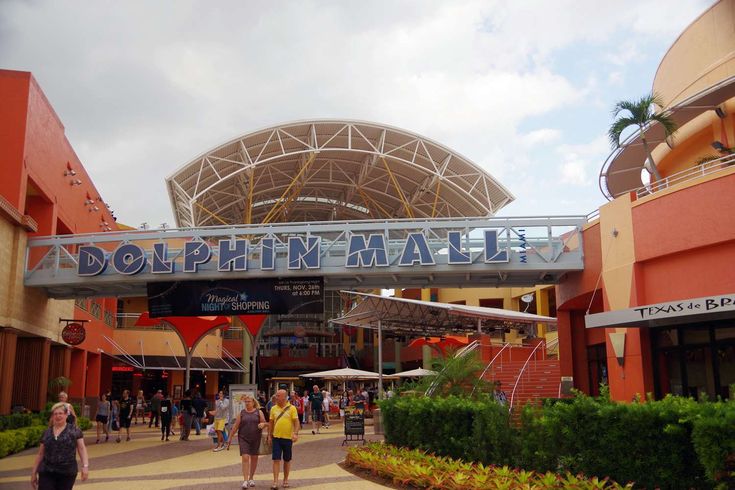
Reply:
x=699, y=170
x=523, y=370
x=482, y=375
x=551, y=345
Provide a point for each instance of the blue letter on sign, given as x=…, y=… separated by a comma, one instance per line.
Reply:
x=456, y=255
x=267, y=254
x=301, y=255
x=492, y=252
x=160, y=263
x=128, y=259
x=415, y=250
x=92, y=261
x=196, y=254
x=233, y=258
x=360, y=254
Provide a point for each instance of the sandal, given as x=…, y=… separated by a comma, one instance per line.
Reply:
x=285, y=484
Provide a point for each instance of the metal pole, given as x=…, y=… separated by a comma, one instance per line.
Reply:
x=188, y=369
x=380, y=360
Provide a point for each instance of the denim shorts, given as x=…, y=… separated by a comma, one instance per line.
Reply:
x=282, y=446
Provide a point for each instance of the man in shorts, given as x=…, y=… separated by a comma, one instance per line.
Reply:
x=316, y=403
x=284, y=431
x=127, y=407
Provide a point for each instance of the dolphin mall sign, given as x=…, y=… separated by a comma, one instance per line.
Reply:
x=476, y=252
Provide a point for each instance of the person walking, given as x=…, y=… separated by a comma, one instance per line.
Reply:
x=127, y=407
x=200, y=407
x=155, y=405
x=55, y=466
x=187, y=409
x=283, y=431
x=114, y=424
x=140, y=407
x=102, y=416
x=326, y=407
x=221, y=413
x=64, y=398
x=316, y=407
x=305, y=402
x=165, y=414
x=249, y=426
x=297, y=402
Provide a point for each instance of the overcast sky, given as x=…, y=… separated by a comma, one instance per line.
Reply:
x=522, y=88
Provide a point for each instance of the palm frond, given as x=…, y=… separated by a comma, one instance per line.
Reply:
x=617, y=129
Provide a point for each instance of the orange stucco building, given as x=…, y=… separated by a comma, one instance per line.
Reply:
x=654, y=309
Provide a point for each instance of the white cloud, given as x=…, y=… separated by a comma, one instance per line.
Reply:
x=143, y=87
x=580, y=161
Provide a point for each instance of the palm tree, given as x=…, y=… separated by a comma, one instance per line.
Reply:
x=641, y=113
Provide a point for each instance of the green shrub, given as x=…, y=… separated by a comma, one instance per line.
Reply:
x=15, y=440
x=457, y=427
x=713, y=435
x=17, y=420
x=84, y=423
x=672, y=443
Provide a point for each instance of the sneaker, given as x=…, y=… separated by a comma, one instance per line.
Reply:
x=251, y=483
x=245, y=484
x=218, y=448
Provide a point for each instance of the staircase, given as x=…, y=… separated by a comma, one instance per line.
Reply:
x=540, y=378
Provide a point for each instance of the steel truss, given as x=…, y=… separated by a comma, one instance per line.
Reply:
x=330, y=170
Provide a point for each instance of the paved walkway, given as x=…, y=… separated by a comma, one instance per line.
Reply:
x=146, y=462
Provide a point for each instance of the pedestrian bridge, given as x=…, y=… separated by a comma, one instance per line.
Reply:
x=365, y=254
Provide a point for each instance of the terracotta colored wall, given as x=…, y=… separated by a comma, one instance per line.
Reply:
x=693, y=217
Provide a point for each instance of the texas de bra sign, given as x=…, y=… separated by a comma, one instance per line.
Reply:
x=302, y=253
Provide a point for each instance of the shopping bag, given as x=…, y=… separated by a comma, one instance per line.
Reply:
x=265, y=444
x=210, y=431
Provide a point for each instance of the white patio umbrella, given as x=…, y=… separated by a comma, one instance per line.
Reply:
x=342, y=374
x=416, y=373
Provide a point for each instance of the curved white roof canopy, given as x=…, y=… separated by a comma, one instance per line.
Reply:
x=324, y=170
x=621, y=172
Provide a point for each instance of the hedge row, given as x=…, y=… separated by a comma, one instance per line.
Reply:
x=12, y=441
x=18, y=420
x=15, y=440
x=672, y=443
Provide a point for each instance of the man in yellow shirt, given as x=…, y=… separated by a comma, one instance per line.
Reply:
x=284, y=431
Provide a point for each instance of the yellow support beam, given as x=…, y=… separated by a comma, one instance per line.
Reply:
x=278, y=204
x=370, y=202
x=249, y=211
x=436, y=197
x=398, y=189
x=213, y=215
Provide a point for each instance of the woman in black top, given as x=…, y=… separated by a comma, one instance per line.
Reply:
x=186, y=412
x=165, y=412
x=56, y=464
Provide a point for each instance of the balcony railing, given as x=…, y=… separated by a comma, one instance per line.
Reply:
x=700, y=170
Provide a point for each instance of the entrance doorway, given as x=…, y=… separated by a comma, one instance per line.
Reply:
x=695, y=360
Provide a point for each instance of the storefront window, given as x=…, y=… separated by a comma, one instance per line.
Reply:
x=695, y=360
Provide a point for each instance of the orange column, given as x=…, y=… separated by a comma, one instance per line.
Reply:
x=8, y=342
x=94, y=367
x=77, y=373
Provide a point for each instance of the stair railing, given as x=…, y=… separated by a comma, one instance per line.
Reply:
x=549, y=346
x=489, y=365
x=523, y=370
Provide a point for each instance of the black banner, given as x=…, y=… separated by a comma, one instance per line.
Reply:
x=299, y=295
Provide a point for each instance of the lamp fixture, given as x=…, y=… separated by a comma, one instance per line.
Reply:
x=88, y=201
x=717, y=145
x=75, y=182
x=720, y=112
x=69, y=172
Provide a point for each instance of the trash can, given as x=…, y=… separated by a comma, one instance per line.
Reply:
x=377, y=422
